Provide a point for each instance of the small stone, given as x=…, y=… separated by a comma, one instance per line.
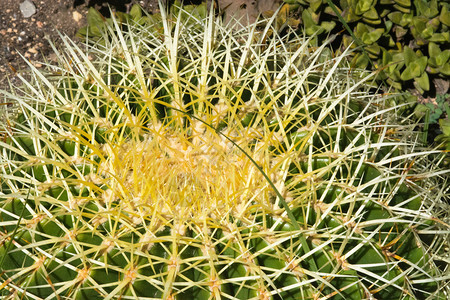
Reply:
x=76, y=16
x=27, y=8
x=39, y=24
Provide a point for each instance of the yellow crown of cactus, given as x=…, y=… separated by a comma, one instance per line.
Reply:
x=186, y=160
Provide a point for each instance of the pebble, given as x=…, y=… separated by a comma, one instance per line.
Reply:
x=27, y=8
x=76, y=16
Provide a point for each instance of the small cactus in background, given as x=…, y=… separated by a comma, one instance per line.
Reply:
x=198, y=162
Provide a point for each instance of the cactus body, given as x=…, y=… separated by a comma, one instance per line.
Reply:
x=202, y=163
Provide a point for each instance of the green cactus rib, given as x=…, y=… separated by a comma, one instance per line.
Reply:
x=189, y=160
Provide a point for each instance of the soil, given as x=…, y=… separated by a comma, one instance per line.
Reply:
x=29, y=36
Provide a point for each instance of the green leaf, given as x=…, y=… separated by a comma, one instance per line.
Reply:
x=391, y=42
x=432, y=70
x=411, y=71
x=430, y=106
x=419, y=23
x=310, y=26
x=395, y=17
x=397, y=58
x=96, y=22
x=427, y=9
x=328, y=25
x=400, y=18
x=406, y=19
x=395, y=75
x=384, y=13
x=360, y=61
x=408, y=55
x=405, y=10
x=434, y=23
x=371, y=37
x=404, y=3
x=363, y=6
x=136, y=12
x=420, y=110
x=427, y=32
x=445, y=126
x=432, y=62
x=446, y=106
x=374, y=50
x=423, y=82
x=386, y=58
x=330, y=11
x=315, y=5
x=443, y=57
x=94, y=17
x=307, y=19
x=350, y=16
x=372, y=15
x=422, y=62
x=394, y=84
x=444, y=17
x=361, y=29
x=437, y=113
x=400, y=32
x=433, y=49
x=121, y=17
x=82, y=32
x=347, y=41
x=440, y=37
x=433, y=10
x=315, y=17
x=445, y=69
x=388, y=25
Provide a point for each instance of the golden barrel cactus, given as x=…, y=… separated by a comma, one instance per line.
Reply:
x=180, y=159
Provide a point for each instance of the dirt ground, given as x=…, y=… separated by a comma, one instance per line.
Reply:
x=29, y=36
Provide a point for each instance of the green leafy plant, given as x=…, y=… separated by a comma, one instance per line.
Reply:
x=434, y=112
x=204, y=162
x=444, y=137
x=97, y=24
x=404, y=41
